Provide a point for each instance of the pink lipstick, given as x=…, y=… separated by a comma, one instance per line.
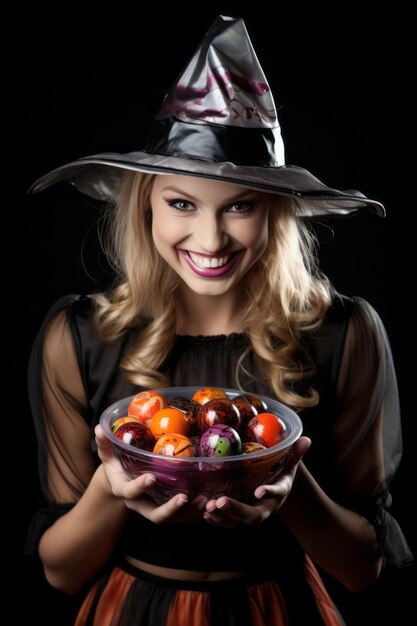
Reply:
x=212, y=272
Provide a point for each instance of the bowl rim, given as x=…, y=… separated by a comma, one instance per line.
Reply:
x=147, y=454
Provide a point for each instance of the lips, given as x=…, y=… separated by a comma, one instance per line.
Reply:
x=211, y=266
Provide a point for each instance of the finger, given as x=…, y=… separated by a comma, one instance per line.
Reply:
x=133, y=489
x=278, y=490
x=231, y=512
x=192, y=510
x=220, y=513
x=281, y=488
x=178, y=509
x=166, y=511
x=216, y=519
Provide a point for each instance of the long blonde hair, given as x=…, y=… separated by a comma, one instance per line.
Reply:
x=286, y=294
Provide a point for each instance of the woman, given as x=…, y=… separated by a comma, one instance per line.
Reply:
x=217, y=284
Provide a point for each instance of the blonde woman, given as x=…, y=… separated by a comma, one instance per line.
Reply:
x=216, y=283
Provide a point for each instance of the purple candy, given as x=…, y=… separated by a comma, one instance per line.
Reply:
x=220, y=440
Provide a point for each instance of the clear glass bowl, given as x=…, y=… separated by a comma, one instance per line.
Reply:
x=235, y=476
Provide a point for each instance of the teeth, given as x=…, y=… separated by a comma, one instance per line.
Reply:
x=206, y=262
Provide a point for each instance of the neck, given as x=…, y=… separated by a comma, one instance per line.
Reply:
x=208, y=315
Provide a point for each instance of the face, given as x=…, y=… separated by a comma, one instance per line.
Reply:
x=210, y=232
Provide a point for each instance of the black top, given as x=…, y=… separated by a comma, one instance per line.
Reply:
x=355, y=429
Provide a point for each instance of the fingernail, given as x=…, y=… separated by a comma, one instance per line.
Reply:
x=222, y=505
x=181, y=502
x=150, y=480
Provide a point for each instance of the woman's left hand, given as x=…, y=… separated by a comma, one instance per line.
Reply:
x=225, y=511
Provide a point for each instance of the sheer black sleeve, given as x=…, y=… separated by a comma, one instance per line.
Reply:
x=58, y=404
x=367, y=430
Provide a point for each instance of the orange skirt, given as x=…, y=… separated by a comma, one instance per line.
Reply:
x=130, y=597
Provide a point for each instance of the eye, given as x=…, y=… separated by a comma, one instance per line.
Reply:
x=242, y=206
x=181, y=205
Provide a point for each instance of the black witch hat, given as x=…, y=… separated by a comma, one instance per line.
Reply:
x=218, y=121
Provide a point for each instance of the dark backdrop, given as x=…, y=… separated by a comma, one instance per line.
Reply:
x=86, y=79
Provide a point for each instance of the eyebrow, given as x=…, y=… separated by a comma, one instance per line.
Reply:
x=235, y=197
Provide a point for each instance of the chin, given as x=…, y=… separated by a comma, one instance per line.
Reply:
x=209, y=290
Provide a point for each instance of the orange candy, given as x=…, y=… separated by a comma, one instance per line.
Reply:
x=169, y=420
x=145, y=404
x=205, y=394
x=174, y=444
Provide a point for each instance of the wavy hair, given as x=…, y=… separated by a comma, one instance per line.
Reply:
x=286, y=294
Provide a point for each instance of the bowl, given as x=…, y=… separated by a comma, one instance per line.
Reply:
x=235, y=476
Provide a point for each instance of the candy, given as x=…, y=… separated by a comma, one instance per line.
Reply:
x=126, y=419
x=218, y=411
x=174, y=444
x=145, y=404
x=205, y=394
x=257, y=403
x=249, y=447
x=133, y=433
x=220, y=440
x=245, y=407
x=266, y=428
x=190, y=407
x=179, y=425
x=169, y=420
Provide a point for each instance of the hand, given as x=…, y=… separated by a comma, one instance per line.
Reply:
x=228, y=512
x=134, y=491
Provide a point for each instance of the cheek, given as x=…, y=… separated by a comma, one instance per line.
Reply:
x=161, y=228
x=166, y=233
x=264, y=233
x=255, y=236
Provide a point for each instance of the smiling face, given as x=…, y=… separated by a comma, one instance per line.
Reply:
x=210, y=232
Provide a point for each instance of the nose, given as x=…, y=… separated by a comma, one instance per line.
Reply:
x=210, y=233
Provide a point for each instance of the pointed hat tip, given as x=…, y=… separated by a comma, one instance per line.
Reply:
x=223, y=83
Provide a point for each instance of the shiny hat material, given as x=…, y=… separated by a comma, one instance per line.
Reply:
x=217, y=121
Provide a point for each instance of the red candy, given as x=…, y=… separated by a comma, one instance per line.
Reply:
x=266, y=428
x=133, y=433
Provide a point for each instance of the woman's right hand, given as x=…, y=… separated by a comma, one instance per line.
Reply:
x=134, y=491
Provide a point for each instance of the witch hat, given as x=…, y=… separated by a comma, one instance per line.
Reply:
x=217, y=121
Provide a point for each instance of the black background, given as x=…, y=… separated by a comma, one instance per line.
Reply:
x=86, y=77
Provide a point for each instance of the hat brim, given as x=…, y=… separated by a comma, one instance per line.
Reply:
x=99, y=177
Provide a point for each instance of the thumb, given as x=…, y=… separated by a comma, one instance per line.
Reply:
x=104, y=446
x=302, y=444
x=299, y=449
